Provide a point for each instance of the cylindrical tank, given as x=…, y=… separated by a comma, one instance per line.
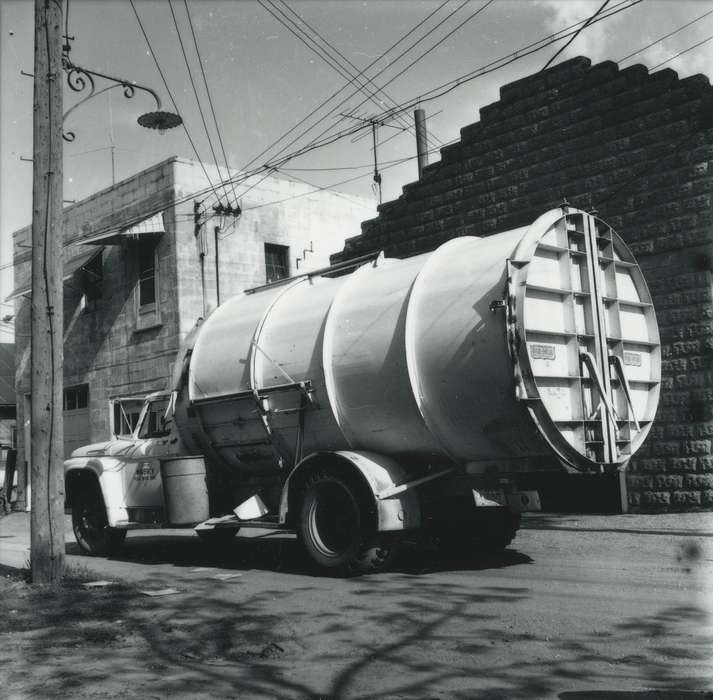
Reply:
x=536, y=342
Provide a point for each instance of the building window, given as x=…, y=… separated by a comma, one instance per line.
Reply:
x=76, y=397
x=277, y=265
x=147, y=272
x=92, y=277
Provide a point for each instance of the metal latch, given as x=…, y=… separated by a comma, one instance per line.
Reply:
x=497, y=304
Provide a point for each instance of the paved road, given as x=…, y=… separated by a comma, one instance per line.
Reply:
x=577, y=605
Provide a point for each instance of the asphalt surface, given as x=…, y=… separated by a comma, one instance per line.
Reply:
x=578, y=607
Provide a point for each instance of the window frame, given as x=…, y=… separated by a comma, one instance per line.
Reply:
x=75, y=394
x=270, y=249
x=148, y=315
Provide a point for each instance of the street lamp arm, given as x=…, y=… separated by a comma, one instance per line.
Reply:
x=80, y=79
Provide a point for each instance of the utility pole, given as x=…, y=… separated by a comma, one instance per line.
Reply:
x=47, y=474
x=419, y=116
x=216, y=231
x=377, y=174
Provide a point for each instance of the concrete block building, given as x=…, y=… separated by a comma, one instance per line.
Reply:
x=141, y=266
x=636, y=146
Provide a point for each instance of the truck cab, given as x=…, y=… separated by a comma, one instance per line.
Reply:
x=116, y=485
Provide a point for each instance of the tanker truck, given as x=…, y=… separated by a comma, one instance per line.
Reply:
x=385, y=399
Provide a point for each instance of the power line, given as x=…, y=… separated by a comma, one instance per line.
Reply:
x=503, y=61
x=680, y=53
x=336, y=92
x=392, y=164
x=523, y=52
x=418, y=58
x=198, y=101
x=207, y=90
x=489, y=68
x=350, y=63
x=170, y=94
x=432, y=94
x=665, y=36
x=577, y=33
x=389, y=113
x=333, y=110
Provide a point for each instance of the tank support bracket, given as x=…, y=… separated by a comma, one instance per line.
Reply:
x=400, y=488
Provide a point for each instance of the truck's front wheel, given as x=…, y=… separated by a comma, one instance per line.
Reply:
x=91, y=527
x=335, y=530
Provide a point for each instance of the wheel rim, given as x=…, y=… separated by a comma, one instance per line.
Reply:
x=333, y=520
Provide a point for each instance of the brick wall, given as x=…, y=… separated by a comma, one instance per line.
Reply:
x=636, y=146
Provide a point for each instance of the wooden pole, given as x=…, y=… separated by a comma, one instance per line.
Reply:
x=419, y=116
x=216, y=231
x=46, y=470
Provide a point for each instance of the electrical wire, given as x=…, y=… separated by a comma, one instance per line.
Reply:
x=503, y=61
x=416, y=60
x=489, y=68
x=351, y=64
x=581, y=29
x=208, y=93
x=336, y=92
x=66, y=21
x=198, y=101
x=344, y=60
x=434, y=93
x=327, y=187
x=432, y=48
x=170, y=94
x=680, y=53
x=403, y=53
x=665, y=36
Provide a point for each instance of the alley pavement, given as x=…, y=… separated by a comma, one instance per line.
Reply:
x=580, y=606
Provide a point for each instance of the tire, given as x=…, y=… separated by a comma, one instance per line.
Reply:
x=218, y=536
x=335, y=528
x=497, y=532
x=91, y=527
x=490, y=535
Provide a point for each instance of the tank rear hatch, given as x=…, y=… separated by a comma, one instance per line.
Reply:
x=584, y=339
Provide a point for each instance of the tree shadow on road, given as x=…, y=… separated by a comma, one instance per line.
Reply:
x=391, y=635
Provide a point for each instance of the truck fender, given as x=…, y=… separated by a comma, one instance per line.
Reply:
x=109, y=481
x=402, y=511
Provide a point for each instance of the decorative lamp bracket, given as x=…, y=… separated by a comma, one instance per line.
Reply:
x=80, y=79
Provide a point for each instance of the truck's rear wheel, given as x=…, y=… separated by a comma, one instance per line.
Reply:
x=490, y=533
x=335, y=530
x=91, y=527
x=498, y=532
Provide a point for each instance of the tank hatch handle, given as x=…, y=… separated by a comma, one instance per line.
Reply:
x=588, y=360
x=616, y=362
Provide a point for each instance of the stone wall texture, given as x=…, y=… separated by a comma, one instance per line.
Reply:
x=637, y=147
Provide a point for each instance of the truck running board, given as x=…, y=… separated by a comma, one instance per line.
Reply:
x=233, y=522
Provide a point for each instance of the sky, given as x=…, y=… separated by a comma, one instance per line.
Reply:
x=263, y=81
